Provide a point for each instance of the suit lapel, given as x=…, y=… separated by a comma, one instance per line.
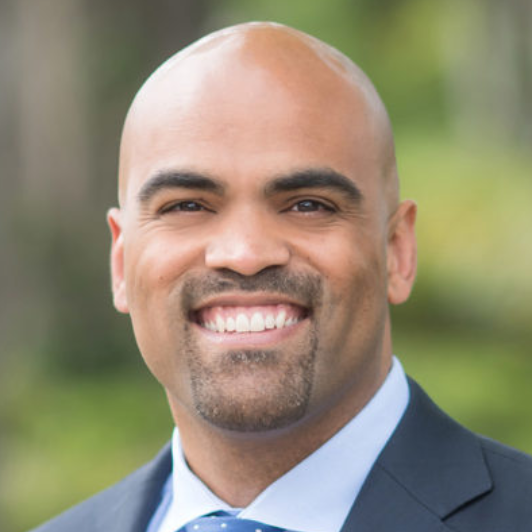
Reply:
x=430, y=467
x=385, y=506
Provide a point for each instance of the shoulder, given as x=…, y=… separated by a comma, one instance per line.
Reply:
x=133, y=499
x=506, y=459
x=499, y=496
x=508, y=504
x=511, y=471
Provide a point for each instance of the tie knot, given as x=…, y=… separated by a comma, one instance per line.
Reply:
x=224, y=522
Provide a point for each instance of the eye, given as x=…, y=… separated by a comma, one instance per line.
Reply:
x=183, y=206
x=309, y=205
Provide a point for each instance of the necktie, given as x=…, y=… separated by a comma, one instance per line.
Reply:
x=225, y=522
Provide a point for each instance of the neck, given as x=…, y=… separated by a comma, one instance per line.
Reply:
x=237, y=467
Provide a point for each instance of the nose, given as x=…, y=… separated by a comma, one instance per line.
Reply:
x=246, y=243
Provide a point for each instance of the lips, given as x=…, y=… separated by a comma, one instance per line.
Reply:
x=249, y=318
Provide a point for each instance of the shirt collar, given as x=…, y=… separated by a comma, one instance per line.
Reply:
x=317, y=494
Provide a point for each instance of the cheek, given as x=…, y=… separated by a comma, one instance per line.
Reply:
x=154, y=272
x=356, y=301
x=153, y=267
x=351, y=265
x=354, y=306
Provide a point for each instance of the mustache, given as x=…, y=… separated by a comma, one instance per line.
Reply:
x=303, y=287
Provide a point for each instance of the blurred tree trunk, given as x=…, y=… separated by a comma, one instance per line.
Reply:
x=8, y=183
x=491, y=69
x=70, y=70
x=52, y=108
x=52, y=145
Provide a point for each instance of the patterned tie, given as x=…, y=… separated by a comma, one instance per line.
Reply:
x=225, y=522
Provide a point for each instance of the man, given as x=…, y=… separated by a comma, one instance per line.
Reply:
x=258, y=244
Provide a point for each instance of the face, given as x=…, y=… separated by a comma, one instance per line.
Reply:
x=255, y=247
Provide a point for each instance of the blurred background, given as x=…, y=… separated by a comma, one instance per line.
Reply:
x=78, y=410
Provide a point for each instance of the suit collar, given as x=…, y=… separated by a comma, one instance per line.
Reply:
x=430, y=467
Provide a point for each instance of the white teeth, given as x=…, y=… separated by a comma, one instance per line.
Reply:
x=220, y=324
x=269, y=322
x=257, y=322
x=242, y=323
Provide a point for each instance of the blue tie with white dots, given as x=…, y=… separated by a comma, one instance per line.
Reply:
x=225, y=522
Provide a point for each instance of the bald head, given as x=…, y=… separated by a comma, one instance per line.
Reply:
x=237, y=71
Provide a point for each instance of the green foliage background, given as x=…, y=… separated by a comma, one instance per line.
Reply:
x=79, y=410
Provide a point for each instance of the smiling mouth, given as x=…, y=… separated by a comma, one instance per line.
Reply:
x=245, y=319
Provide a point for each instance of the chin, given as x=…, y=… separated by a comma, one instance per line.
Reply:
x=253, y=391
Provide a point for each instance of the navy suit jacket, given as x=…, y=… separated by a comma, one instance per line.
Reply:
x=432, y=476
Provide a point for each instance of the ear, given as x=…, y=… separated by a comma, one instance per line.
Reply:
x=402, y=252
x=117, y=260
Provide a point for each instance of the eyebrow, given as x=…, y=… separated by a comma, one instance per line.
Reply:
x=323, y=178
x=178, y=179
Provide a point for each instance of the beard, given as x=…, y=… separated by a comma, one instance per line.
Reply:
x=253, y=390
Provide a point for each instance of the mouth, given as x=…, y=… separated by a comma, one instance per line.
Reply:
x=240, y=317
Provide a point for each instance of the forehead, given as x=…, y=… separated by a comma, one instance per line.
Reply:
x=242, y=120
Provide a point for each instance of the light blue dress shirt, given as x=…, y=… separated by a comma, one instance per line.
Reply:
x=318, y=493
